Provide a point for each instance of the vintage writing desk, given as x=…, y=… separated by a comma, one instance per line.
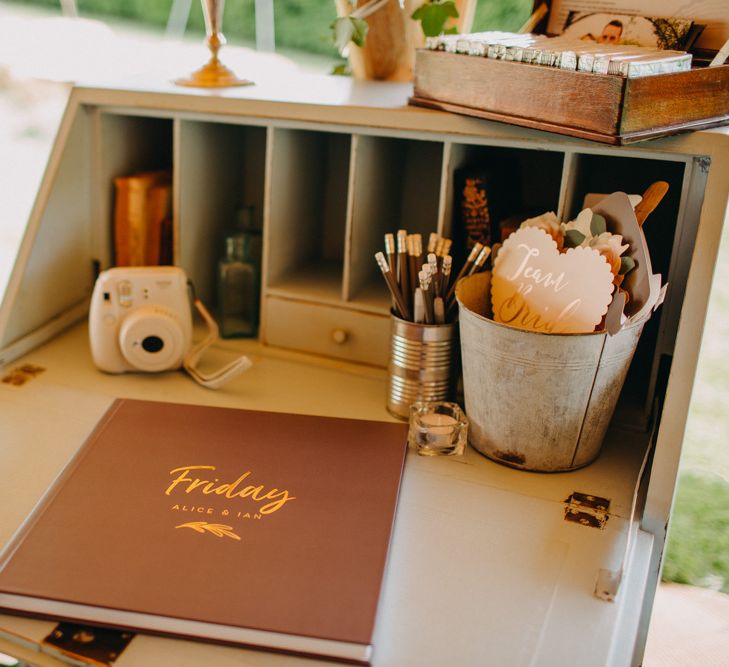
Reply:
x=484, y=568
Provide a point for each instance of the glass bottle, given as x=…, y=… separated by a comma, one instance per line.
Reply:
x=238, y=288
x=246, y=224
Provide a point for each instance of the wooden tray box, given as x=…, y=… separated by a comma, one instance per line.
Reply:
x=605, y=108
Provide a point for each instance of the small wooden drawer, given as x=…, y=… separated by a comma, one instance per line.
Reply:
x=327, y=330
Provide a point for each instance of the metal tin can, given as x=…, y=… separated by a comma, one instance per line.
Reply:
x=420, y=366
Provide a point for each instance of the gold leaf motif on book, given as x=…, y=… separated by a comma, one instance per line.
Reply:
x=217, y=529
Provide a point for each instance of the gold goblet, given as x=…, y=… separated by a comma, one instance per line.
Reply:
x=213, y=74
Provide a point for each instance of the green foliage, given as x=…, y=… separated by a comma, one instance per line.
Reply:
x=349, y=29
x=597, y=225
x=341, y=69
x=304, y=25
x=434, y=15
x=501, y=14
x=698, y=539
x=667, y=35
x=573, y=238
x=627, y=264
x=300, y=24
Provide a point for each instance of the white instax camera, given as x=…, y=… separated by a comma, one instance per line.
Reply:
x=141, y=320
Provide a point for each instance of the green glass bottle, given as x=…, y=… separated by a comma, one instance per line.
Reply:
x=238, y=288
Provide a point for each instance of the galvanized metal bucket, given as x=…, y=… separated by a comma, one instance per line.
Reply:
x=538, y=401
x=420, y=366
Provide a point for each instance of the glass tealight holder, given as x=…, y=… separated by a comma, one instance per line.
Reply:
x=438, y=428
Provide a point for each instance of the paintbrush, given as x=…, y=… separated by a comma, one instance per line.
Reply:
x=651, y=198
x=480, y=260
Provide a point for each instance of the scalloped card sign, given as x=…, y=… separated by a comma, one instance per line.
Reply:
x=536, y=287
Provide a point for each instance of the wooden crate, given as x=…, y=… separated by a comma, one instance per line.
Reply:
x=605, y=108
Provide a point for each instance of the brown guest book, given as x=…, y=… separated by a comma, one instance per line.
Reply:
x=253, y=528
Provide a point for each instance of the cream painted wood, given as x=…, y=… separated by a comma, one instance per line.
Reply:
x=350, y=251
x=416, y=174
x=307, y=218
x=123, y=144
x=266, y=220
x=328, y=241
x=692, y=200
x=445, y=198
x=476, y=545
x=221, y=170
x=664, y=471
x=478, y=526
x=567, y=184
x=692, y=188
x=396, y=186
x=333, y=332
x=130, y=144
x=209, y=174
x=176, y=189
x=368, y=217
x=57, y=273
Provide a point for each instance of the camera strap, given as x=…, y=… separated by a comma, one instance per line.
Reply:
x=221, y=376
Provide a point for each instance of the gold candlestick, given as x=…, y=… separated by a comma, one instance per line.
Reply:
x=213, y=74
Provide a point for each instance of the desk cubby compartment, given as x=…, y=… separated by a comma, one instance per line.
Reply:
x=519, y=181
x=396, y=185
x=220, y=169
x=307, y=214
x=128, y=144
x=609, y=173
x=670, y=236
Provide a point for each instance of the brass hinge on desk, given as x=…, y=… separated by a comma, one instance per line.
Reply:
x=587, y=510
x=592, y=511
x=84, y=645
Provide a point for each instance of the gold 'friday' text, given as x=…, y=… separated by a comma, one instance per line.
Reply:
x=278, y=498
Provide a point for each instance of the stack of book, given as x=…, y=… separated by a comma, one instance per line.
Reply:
x=143, y=219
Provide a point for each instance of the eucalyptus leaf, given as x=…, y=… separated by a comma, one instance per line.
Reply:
x=360, y=31
x=573, y=238
x=349, y=29
x=434, y=15
x=342, y=69
x=597, y=225
x=627, y=264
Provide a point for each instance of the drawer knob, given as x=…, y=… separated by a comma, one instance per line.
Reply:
x=340, y=336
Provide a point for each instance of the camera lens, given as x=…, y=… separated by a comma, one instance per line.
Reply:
x=152, y=339
x=153, y=344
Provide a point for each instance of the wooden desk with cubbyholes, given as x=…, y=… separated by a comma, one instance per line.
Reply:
x=484, y=569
